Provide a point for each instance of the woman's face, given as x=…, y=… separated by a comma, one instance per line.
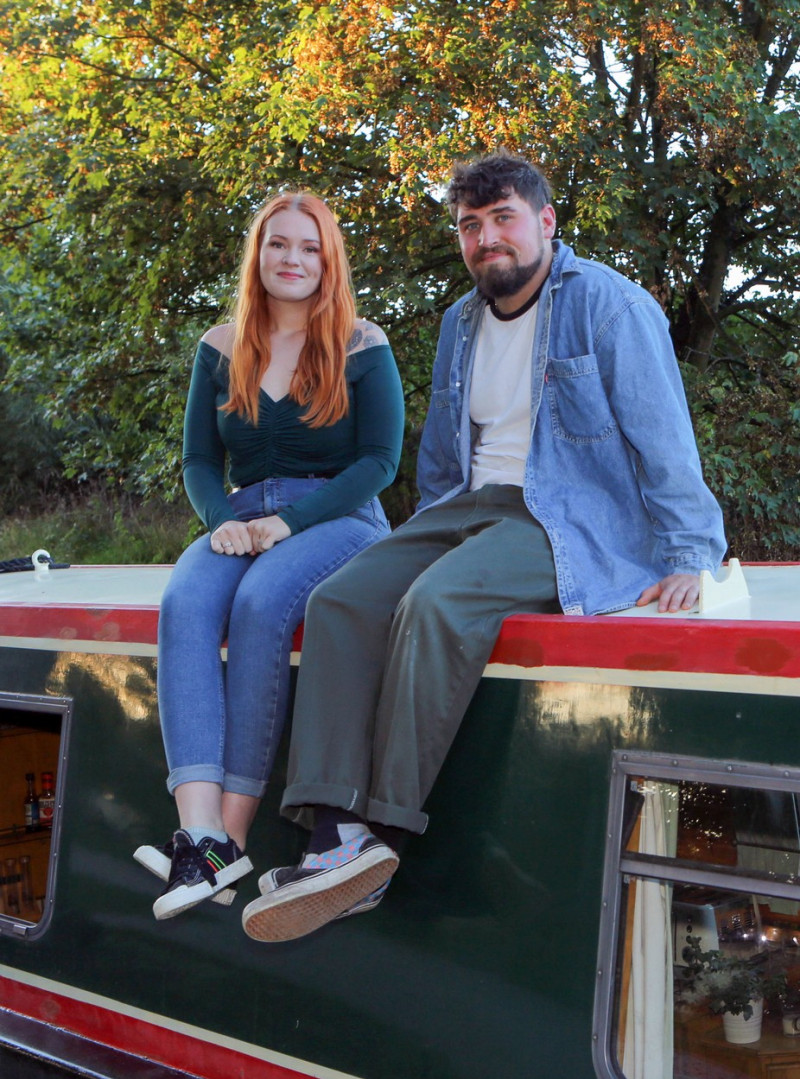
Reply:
x=291, y=256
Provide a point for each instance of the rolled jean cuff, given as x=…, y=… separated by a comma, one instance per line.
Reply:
x=194, y=773
x=253, y=788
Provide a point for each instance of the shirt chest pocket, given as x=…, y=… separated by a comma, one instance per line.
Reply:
x=579, y=408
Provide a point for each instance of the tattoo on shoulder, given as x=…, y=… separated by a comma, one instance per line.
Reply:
x=366, y=336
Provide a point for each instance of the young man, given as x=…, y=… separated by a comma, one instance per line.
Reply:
x=558, y=471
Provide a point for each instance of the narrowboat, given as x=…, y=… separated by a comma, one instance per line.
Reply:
x=610, y=877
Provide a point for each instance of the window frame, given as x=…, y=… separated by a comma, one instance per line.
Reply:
x=618, y=865
x=61, y=707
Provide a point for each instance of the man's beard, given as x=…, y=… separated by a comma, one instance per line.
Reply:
x=496, y=282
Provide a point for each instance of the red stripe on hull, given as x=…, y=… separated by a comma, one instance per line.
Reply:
x=124, y=625
x=765, y=649
x=131, y=625
x=136, y=1036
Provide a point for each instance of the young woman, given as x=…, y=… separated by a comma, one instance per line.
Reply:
x=304, y=400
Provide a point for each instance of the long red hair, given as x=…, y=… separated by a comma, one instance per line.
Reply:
x=319, y=380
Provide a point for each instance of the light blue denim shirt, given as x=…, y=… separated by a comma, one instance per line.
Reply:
x=612, y=473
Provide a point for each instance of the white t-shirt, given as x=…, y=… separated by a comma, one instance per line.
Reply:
x=500, y=398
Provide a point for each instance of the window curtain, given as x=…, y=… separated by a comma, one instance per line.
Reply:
x=648, y=1017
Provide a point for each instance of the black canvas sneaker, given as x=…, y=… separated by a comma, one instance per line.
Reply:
x=270, y=880
x=320, y=889
x=198, y=872
x=158, y=859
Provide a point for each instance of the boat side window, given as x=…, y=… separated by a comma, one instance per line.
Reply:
x=33, y=741
x=699, y=957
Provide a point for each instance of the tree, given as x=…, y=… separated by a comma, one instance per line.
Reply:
x=138, y=137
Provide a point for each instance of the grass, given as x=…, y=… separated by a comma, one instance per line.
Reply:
x=100, y=528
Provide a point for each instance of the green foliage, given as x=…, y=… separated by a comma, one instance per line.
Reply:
x=135, y=141
x=746, y=421
x=727, y=982
x=99, y=527
x=29, y=458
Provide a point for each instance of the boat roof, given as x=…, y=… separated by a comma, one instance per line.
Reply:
x=87, y=586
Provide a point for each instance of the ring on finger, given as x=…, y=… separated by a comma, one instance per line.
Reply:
x=227, y=544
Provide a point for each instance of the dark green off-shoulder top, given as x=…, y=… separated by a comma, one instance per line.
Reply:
x=362, y=449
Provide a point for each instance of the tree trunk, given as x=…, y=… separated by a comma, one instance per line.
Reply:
x=697, y=322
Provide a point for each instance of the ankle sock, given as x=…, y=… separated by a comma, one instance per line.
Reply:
x=332, y=827
x=197, y=834
x=349, y=831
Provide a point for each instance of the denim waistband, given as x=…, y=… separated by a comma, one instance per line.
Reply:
x=278, y=479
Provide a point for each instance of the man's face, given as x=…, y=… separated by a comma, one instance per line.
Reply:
x=506, y=246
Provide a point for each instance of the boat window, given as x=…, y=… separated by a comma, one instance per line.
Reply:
x=699, y=958
x=33, y=740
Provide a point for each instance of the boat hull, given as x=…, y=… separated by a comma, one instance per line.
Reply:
x=482, y=958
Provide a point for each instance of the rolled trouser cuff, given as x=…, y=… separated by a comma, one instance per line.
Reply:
x=412, y=820
x=299, y=799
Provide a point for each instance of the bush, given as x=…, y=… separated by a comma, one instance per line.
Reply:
x=746, y=422
x=101, y=527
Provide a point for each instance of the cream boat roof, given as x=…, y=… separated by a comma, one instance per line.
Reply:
x=774, y=592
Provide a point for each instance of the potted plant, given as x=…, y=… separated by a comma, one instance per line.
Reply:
x=733, y=986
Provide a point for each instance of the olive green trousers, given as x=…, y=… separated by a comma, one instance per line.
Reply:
x=394, y=646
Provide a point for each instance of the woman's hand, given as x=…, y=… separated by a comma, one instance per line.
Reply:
x=265, y=532
x=232, y=537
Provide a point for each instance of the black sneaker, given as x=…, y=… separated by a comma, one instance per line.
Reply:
x=158, y=859
x=198, y=872
x=319, y=890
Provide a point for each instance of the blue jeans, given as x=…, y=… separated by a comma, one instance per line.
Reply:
x=223, y=726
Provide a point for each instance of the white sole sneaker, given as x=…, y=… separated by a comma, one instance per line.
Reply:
x=154, y=859
x=268, y=882
x=198, y=872
x=315, y=895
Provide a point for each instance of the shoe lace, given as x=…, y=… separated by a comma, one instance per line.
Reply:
x=185, y=859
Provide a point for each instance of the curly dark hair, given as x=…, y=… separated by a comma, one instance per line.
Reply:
x=489, y=179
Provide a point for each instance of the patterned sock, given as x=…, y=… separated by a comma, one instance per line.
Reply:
x=351, y=831
x=327, y=833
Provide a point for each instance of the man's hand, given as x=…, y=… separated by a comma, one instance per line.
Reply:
x=678, y=592
x=232, y=537
x=265, y=532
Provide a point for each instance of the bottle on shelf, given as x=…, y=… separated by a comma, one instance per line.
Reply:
x=31, y=805
x=11, y=886
x=47, y=800
x=26, y=880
